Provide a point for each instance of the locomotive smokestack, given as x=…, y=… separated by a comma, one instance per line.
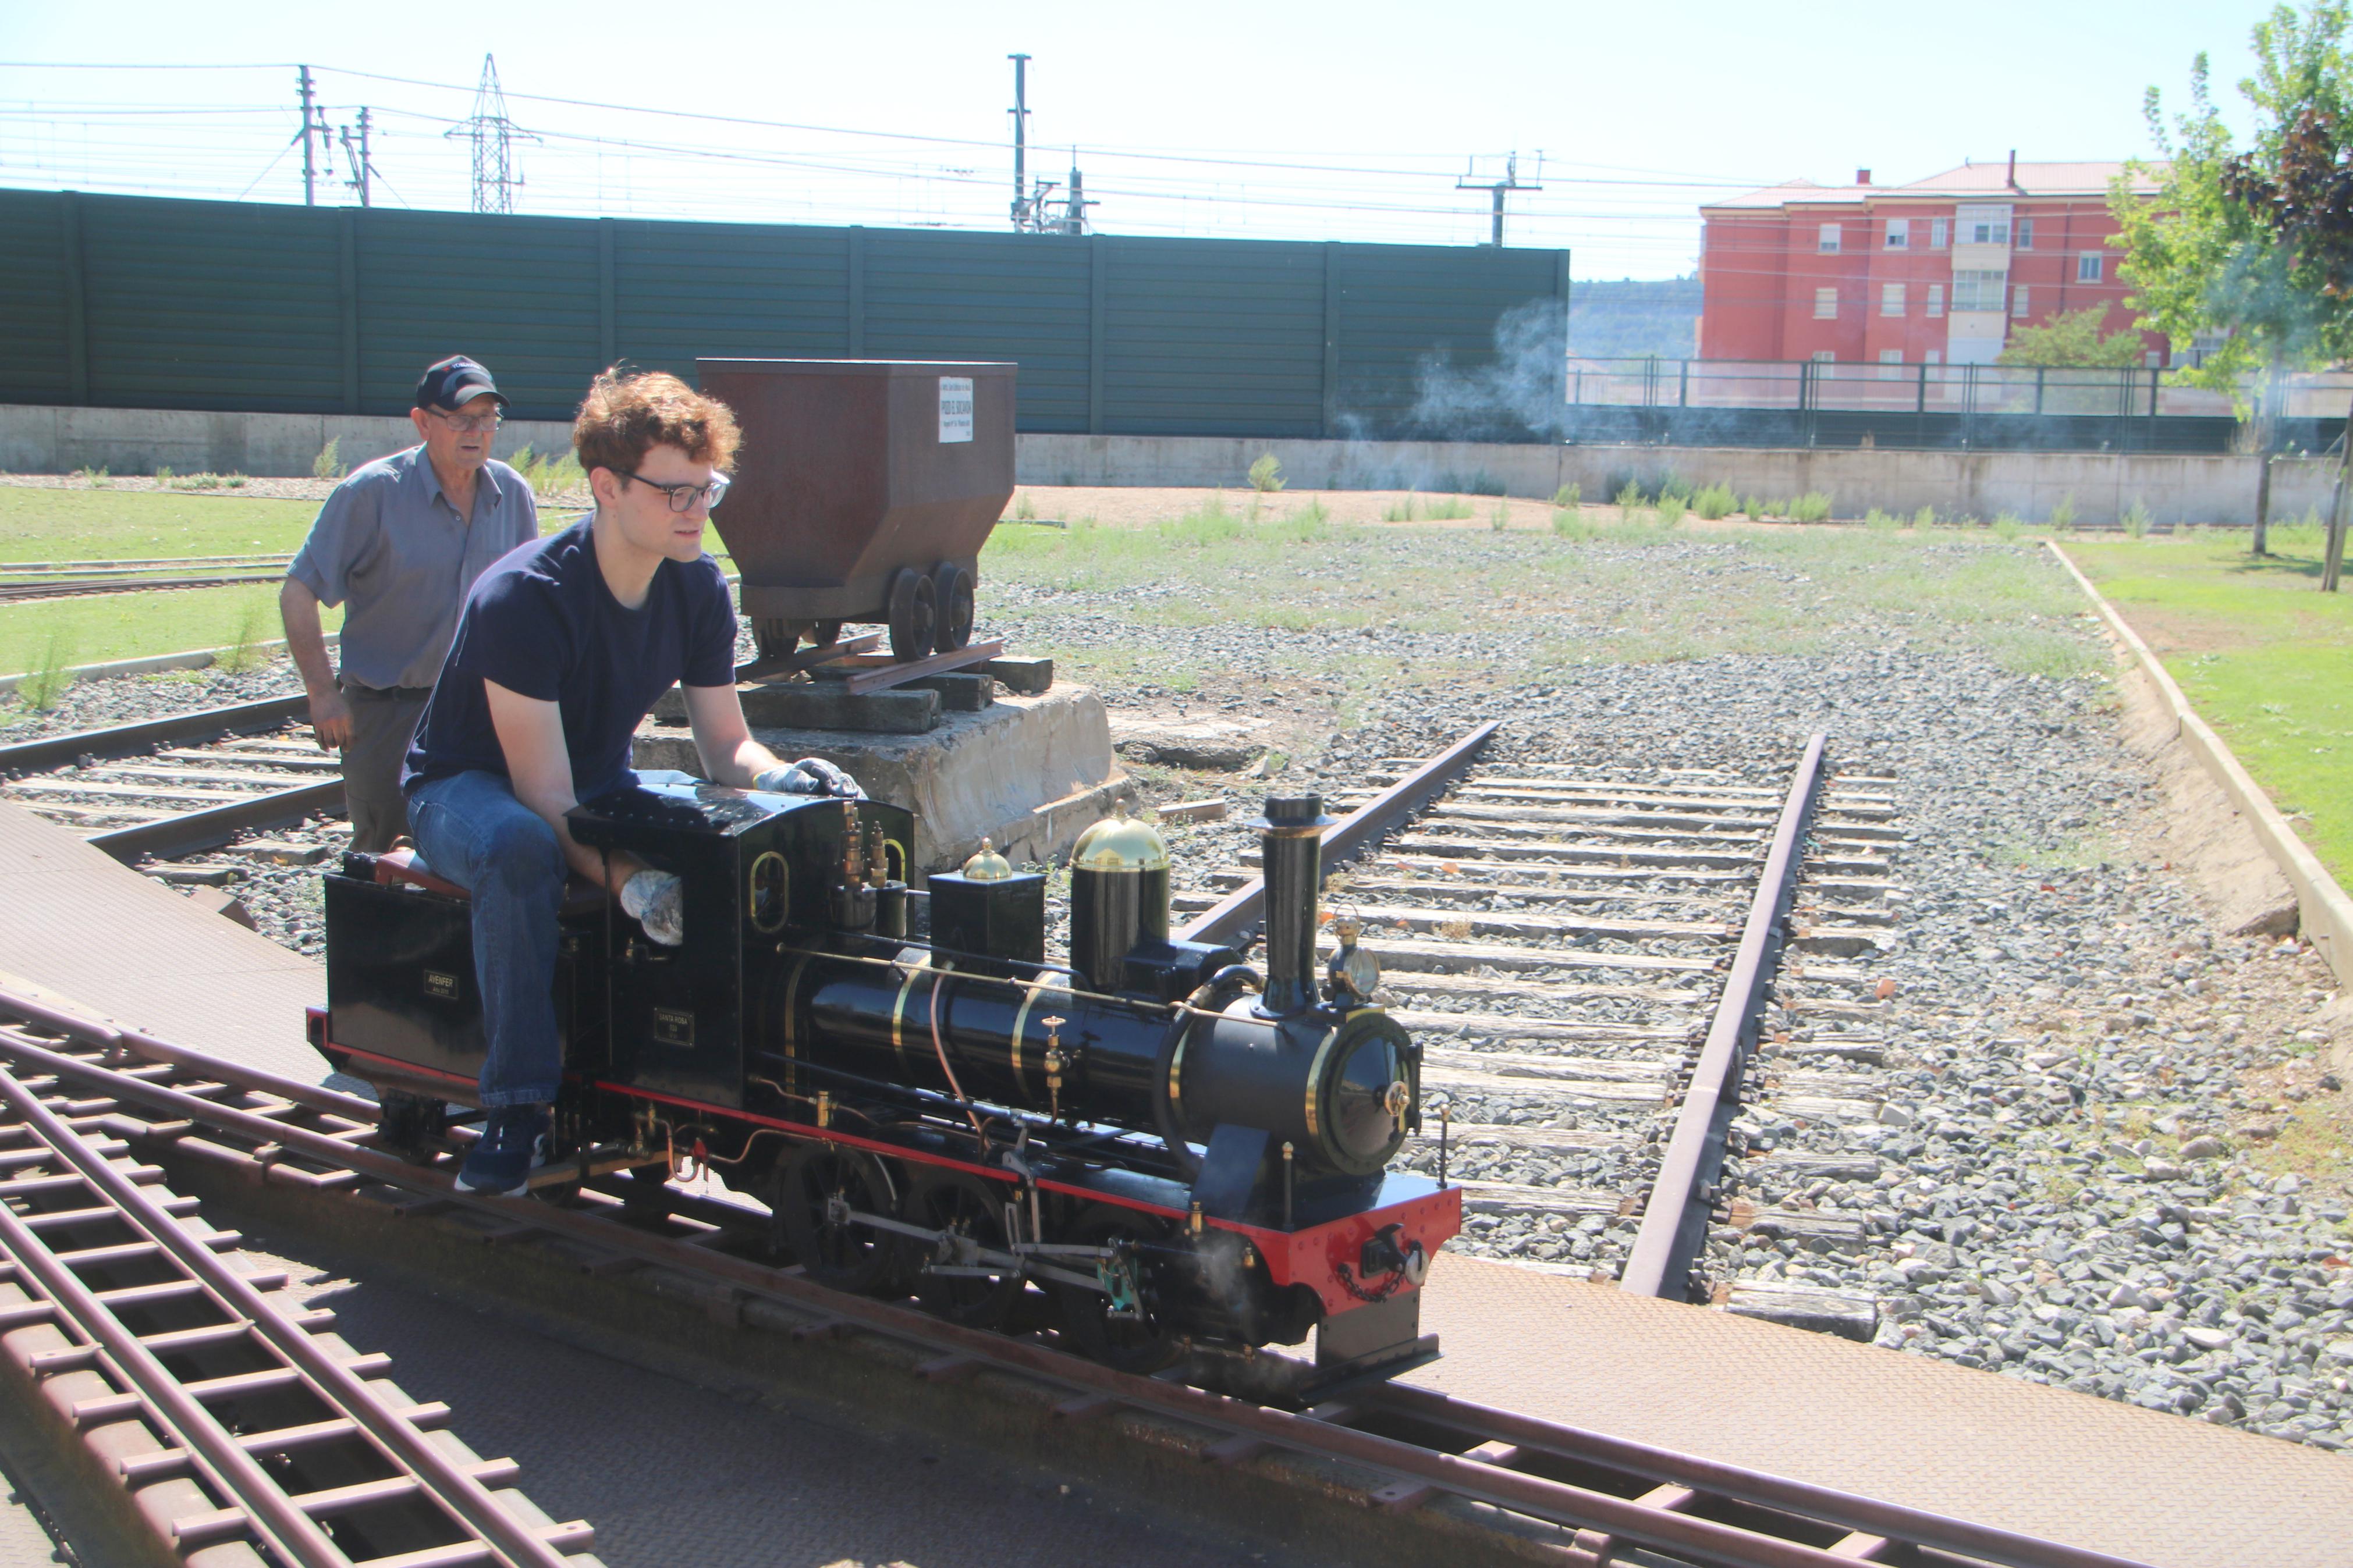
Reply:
x=1291, y=849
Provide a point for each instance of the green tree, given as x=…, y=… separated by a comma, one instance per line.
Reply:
x=2073, y=338
x=2248, y=243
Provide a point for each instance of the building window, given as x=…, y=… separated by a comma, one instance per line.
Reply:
x=1891, y=363
x=1828, y=243
x=1978, y=290
x=1825, y=356
x=1899, y=234
x=2087, y=267
x=1826, y=304
x=1936, y=299
x=1935, y=356
x=2026, y=234
x=1891, y=299
x=1986, y=231
x=2018, y=301
x=1939, y=232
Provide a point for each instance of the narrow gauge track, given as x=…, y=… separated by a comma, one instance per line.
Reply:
x=1411, y=1445
x=1599, y=946
x=171, y=786
x=60, y=579
x=237, y=1425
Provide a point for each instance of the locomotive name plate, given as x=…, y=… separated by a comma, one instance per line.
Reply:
x=439, y=986
x=673, y=1027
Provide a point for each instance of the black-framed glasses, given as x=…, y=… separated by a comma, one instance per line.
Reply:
x=470, y=424
x=684, y=497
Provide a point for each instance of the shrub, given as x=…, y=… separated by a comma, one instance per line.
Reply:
x=1570, y=525
x=1401, y=511
x=327, y=465
x=1814, y=506
x=2007, y=526
x=1500, y=518
x=1675, y=485
x=1568, y=495
x=2136, y=519
x=163, y=476
x=49, y=678
x=1026, y=509
x=1925, y=518
x=1448, y=510
x=233, y=482
x=1266, y=474
x=1671, y=509
x=1754, y=507
x=2062, y=516
x=1631, y=497
x=94, y=477
x=1879, y=522
x=1714, y=501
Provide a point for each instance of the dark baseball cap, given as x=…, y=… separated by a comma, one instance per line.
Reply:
x=454, y=383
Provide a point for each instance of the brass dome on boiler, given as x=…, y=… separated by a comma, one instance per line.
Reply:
x=1121, y=843
x=987, y=865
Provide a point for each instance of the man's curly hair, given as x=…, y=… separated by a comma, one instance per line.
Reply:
x=624, y=417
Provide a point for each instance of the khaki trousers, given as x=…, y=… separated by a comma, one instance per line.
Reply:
x=383, y=724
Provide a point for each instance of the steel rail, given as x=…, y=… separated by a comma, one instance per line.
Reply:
x=72, y=587
x=55, y=750
x=1240, y=909
x=1674, y=1220
x=190, y=831
x=1651, y=1523
x=450, y=1484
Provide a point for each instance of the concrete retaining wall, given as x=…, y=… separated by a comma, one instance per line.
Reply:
x=2175, y=488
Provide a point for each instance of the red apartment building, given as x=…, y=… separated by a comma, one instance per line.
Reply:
x=1937, y=272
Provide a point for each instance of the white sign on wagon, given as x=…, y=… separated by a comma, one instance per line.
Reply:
x=955, y=408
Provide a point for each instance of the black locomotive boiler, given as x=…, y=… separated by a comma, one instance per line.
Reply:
x=1165, y=1151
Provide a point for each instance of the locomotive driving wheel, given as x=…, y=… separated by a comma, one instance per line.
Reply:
x=913, y=612
x=1119, y=1325
x=813, y=1194
x=970, y=1212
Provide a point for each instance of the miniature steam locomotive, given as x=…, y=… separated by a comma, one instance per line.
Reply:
x=1165, y=1153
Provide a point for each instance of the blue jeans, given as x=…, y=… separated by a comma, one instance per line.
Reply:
x=474, y=831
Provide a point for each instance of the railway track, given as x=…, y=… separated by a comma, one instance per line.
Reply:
x=237, y=1426
x=171, y=786
x=1587, y=955
x=62, y=579
x=1404, y=1447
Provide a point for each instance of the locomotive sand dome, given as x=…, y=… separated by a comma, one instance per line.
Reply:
x=867, y=489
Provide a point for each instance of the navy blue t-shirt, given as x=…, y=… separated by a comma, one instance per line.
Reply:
x=541, y=623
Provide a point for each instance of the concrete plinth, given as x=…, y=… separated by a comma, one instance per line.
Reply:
x=1029, y=772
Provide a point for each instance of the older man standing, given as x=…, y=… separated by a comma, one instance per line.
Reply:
x=399, y=543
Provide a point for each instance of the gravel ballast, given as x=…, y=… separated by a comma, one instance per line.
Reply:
x=2105, y=1133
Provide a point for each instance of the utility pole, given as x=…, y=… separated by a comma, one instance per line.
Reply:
x=1510, y=182
x=1024, y=215
x=309, y=119
x=493, y=136
x=356, y=155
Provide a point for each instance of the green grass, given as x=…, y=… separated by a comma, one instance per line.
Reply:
x=2266, y=658
x=107, y=525
x=109, y=626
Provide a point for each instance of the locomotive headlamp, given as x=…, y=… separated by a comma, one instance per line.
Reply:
x=1361, y=1104
x=1354, y=974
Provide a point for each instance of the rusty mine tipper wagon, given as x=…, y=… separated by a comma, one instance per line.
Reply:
x=865, y=490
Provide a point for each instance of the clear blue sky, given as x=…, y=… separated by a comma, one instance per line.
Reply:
x=1640, y=111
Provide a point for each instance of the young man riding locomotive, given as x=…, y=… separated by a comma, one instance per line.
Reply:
x=563, y=648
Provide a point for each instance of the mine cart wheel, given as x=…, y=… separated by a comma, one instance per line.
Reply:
x=777, y=638
x=1141, y=1345
x=824, y=634
x=647, y=1186
x=913, y=614
x=409, y=1125
x=952, y=602
x=810, y=1192
x=973, y=1210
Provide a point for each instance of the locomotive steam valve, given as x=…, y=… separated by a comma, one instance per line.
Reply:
x=1055, y=1062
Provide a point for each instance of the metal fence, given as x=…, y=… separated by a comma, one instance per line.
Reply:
x=1812, y=403
x=130, y=301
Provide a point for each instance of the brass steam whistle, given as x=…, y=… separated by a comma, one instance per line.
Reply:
x=1055, y=1062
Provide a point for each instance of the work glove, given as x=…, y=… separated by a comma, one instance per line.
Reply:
x=811, y=775
x=657, y=901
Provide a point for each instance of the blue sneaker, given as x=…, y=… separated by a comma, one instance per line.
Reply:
x=513, y=1143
